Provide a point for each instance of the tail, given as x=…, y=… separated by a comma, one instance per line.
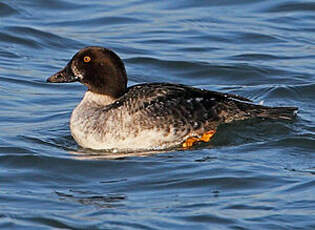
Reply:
x=274, y=113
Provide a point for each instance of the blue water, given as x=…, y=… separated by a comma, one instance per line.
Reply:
x=253, y=175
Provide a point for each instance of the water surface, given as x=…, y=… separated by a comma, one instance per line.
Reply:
x=253, y=175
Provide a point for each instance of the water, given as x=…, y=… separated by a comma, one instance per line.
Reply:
x=253, y=175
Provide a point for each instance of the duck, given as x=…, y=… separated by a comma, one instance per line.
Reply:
x=150, y=116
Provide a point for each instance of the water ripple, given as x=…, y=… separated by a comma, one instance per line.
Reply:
x=255, y=174
x=293, y=6
x=6, y=10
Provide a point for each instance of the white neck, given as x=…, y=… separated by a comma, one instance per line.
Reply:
x=97, y=99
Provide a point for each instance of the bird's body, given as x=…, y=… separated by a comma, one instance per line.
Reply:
x=148, y=116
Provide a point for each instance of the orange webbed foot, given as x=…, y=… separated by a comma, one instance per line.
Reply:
x=207, y=136
x=190, y=141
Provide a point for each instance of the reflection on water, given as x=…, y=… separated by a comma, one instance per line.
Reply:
x=252, y=175
x=113, y=154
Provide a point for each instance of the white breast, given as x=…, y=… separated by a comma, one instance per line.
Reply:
x=93, y=128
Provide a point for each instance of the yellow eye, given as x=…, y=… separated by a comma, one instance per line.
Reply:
x=87, y=59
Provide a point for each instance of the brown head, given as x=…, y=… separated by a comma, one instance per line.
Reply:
x=100, y=69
